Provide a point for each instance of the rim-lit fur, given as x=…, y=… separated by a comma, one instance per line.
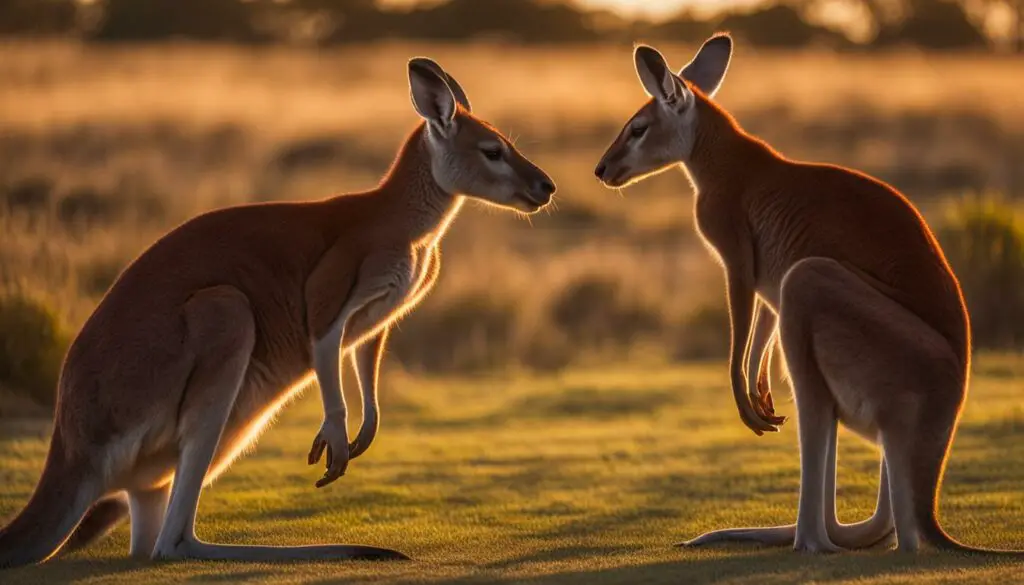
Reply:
x=469, y=155
x=214, y=328
x=869, y=315
x=663, y=131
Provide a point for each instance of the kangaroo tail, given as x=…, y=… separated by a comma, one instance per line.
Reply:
x=64, y=493
x=933, y=534
x=928, y=466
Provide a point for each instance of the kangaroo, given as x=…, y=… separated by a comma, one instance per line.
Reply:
x=213, y=329
x=843, y=269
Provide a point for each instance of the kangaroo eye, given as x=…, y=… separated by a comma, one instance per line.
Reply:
x=491, y=153
x=638, y=131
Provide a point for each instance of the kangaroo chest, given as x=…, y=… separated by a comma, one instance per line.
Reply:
x=722, y=228
x=726, y=231
x=707, y=221
x=423, y=272
x=406, y=281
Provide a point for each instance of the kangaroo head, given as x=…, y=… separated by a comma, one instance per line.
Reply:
x=468, y=155
x=662, y=132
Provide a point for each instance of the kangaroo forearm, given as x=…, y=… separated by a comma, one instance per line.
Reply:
x=326, y=350
x=366, y=359
x=327, y=364
x=741, y=304
x=762, y=336
x=765, y=367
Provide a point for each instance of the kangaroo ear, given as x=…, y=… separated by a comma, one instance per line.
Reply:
x=457, y=91
x=431, y=95
x=657, y=79
x=708, y=67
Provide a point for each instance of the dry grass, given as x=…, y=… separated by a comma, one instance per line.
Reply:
x=104, y=149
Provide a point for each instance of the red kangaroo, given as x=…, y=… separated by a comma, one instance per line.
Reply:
x=211, y=331
x=870, y=316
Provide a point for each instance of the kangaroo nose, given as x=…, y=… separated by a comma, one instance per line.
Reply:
x=546, y=186
x=599, y=171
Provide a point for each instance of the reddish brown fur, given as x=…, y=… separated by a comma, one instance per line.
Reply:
x=125, y=403
x=764, y=213
x=750, y=193
x=292, y=260
x=872, y=321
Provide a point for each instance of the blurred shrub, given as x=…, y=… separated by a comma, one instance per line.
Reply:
x=86, y=206
x=704, y=334
x=593, y=313
x=37, y=17
x=479, y=330
x=30, y=194
x=934, y=25
x=929, y=24
x=89, y=206
x=96, y=278
x=318, y=152
x=207, y=20
x=473, y=332
x=984, y=242
x=547, y=351
x=32, y=345
x=519, y=20
x=777, y=25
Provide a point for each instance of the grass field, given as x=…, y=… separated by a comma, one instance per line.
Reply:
x=585, y=477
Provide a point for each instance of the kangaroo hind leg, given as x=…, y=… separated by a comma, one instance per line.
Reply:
x=222, y=333
x=859, y=535
x=894, y=378
x=147, y=515
x=827, y=326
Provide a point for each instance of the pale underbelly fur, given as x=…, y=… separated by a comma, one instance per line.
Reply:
x=147, y=460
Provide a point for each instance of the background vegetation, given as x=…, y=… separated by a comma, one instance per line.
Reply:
x=106, y=148
x=837, y=24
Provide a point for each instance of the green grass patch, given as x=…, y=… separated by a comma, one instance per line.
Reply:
x=581, y=477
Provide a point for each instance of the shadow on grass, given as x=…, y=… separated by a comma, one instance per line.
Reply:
x=730, y=563
x=77, y=570
x=572, y=404
x=742, y=565
x=232, y=577
x=70, y=570
x=565, y=553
